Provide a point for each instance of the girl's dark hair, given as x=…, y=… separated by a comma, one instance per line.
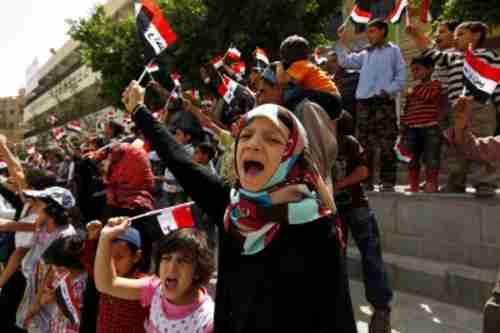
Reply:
x=60, y=215
x=117, y=128
x=39, y=179
x=65, y=252
x=381, y=25
x=476, y=27
x=207, y=149
x=194, y=243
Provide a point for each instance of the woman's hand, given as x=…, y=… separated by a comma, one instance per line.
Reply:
x=94, y=229
x=133, y=96
x=115, y=227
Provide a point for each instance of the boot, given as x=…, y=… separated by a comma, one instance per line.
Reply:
x=431, y=180
x=413, y=175
x=491, y=314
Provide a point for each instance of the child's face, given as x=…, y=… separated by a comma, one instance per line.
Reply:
x=260, y=149
x=177, y=273
x=181, y=137
x=464, y=37
x=200, y=157
x=421, y=72
x=123, y=257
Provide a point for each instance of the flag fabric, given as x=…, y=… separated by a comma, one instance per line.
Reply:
x=58, y=133
x=425, y=11
x=152, y=27
x=360, y=15
x=239, y=68
x=151, y=68
x=176, y=78
x=195, y=94
x=261, y=55
x=234, y=54
x=74, y=126
x=218, y=62
x=67, y=301
x=173, y=218
x=402, y=153
x=480, y=78
x=227, y=89
x=397, y=11
x=3, y=165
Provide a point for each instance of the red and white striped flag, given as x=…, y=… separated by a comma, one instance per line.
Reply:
x=218, y=62
x=176, y=217
x=153, y=28
x=176, y=78
x=67, y=301
x=74, y=126
x=359, y=15
x=261, y=55
x=151, y=68
x=239, y=68
x=227, y=89
x=480, y=78
x=397, y=11
x=58, y=133
x=402, y=153
x=234, y=54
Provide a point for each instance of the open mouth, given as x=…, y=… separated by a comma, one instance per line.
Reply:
x=253, y=168
x=171, y=283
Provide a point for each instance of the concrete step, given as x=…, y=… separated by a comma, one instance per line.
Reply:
x=454, y=284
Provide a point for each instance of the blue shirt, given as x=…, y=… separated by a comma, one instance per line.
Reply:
x=381, y=69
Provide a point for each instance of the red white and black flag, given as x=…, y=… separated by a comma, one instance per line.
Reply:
x=152, y=27
x=58, y=133
x=176, y=78
x=261, y=55
x=151, y=68
x=176, y=217
x=397, y=11
x=74, y=126
x=227, y=89
x=480, y=78
x=67, y=301
x=361, y=15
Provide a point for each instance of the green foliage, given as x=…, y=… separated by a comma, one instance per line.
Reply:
x=465, y=10
x=204, y=28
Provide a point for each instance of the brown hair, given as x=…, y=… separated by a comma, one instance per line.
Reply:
x=476, y=27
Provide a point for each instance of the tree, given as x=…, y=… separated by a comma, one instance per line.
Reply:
x=465, y=10
x=204, y=28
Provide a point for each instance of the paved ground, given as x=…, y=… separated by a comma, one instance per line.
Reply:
x=415, y=314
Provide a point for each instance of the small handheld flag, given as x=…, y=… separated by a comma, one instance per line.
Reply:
x=74, y=126
x=261, y=55
x=151, y=68
x=234, y=54
x=480, y=78
x=397, y=11
x=360, y=15
x=402, y=153
x=227, y=89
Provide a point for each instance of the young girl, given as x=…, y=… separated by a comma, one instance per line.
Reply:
x=176, y=294
x=115, y=314
x=62, y=293
x=279, y=250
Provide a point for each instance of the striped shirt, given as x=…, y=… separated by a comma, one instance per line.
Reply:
x=454, y=62
x=422, y=104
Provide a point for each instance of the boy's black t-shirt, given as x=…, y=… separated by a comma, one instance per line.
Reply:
x=351, y=155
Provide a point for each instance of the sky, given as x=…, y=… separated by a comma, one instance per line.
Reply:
x=29, y=29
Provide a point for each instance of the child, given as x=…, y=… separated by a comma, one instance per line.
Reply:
x=420, y=125
x=203, y=155
x=297, y=68
x=176, y=294
x=62, y=291
x=354, y=209
x=115, y=314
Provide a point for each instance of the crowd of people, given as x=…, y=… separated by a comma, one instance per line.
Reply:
x=276, y=165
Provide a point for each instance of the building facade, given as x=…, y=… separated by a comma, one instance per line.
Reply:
x=66, y=87
x=11, y=116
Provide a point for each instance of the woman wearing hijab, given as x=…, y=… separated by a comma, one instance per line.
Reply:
x=280, y=262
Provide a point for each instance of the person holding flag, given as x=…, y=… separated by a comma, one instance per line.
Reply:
x=278, y=237
x=469, y=70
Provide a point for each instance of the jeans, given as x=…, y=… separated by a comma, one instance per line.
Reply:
x=364, y=229
x=425, y=144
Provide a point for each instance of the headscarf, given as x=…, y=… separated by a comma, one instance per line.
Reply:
x=294, y=194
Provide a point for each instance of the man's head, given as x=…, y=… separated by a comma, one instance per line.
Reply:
x=422, y=68
x=445, y=34
x=203, y=153
x=183, y=136
x=377, y=32
x=294, y=48
x=332, y=64
x=268, y=88
x=470, y=33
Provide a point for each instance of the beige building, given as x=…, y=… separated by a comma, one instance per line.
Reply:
x=11, y=116
x=66, y=87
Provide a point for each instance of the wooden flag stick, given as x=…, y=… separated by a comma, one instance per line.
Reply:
x=145, y=71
